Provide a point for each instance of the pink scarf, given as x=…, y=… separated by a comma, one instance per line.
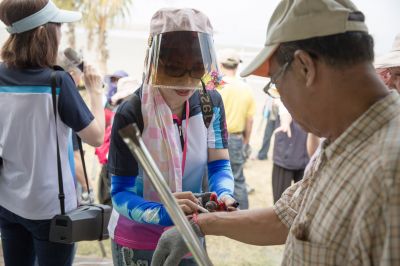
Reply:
x=159, y=138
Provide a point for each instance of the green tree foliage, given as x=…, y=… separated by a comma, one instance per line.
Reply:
x=98, y=17
x=70, y=5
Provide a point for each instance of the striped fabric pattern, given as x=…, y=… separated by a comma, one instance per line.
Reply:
x=216, y=131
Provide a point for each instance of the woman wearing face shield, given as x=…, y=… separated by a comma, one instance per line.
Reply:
x=167, y=110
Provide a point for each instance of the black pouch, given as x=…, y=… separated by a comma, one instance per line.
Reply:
x=88, y=221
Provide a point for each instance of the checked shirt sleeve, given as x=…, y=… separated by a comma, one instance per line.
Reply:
x=287, y=206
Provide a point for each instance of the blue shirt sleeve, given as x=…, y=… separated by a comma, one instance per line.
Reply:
x=71, y=107
x=217, y=131
x=220, y=178
x=126, y=201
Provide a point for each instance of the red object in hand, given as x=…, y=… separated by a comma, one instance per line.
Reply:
x=209, y=200
x=220, y=204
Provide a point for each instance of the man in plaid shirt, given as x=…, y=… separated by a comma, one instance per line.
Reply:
x=346, y=210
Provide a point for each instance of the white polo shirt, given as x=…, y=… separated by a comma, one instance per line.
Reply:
x=28, y=177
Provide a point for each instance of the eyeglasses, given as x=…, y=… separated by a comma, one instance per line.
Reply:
x=270, y=89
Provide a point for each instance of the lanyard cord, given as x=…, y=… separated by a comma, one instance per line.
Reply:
x=186, y=139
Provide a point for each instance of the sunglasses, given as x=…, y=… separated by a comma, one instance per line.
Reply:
x=178, y=70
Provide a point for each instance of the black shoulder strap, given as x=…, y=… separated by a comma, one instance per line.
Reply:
x=206, y=105
x=61, y=195
x=83, y=163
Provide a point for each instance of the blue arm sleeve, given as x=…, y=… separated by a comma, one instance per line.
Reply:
x=220, y=177
x=126, y=201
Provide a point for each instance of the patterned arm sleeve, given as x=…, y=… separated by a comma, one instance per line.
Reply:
x=221, y=178
x=126, y=201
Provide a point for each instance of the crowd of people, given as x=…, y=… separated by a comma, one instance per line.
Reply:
x=333, y=120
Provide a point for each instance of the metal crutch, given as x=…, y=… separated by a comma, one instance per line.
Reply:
x=131, y=136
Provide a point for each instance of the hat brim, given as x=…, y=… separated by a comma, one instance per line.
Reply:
x=121, y=95
x=125, y=87
x=260, y=64
x=66, y=16
x=391, y=59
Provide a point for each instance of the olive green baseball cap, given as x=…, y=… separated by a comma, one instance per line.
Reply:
x=295, y=20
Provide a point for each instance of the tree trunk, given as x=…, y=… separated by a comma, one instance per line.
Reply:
x=102, y=45
x=90, y=39
x=71, y=36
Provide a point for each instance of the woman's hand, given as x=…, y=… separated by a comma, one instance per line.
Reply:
x=187, y=201
x=93, y=80
x=230, y=203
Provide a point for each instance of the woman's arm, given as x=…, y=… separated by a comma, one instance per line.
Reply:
x=220, y=177
x=93, y=134
x=126, y=201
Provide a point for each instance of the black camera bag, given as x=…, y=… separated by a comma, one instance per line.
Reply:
x=88, y=221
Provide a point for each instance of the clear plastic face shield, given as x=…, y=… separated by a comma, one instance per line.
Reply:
x=179, y=59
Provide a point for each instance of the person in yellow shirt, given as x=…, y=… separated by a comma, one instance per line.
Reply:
x=239, y=107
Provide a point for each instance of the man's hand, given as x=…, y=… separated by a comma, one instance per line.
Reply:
x=284, y=129
x=286, y=121
x=171, y=247
x=187, y=201
x=246, y=151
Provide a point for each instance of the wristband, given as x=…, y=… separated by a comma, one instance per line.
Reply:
x=195, y=225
